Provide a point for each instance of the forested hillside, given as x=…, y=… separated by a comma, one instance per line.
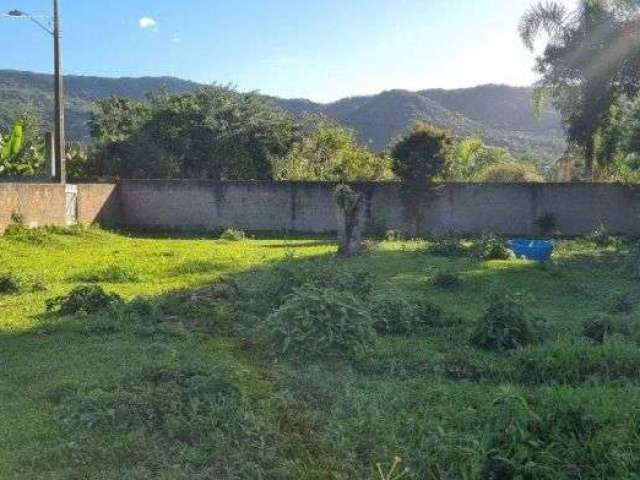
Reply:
x=501, y=115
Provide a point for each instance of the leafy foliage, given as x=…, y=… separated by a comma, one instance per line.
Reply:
x=9, y=284
x=398, y=314
x=110, y=274
x=330, y=153
x=512, y=172
x=446, y=247
x=598, y=328
x=85, y=299
x=214, y=133
x=592, y=58
x=601, y=237
x=491, y=247
x=22, y=150
x=315, y=323
x=506, y=325
x=422, y=155
x=233, y=235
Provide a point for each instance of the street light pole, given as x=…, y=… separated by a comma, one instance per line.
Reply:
x=59, y=147
x=60, y=143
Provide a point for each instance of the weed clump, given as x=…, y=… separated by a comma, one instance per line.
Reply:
x=9, y=284
x=446, y=247
x=506, y=326
x=446, y=281
x=601, y=237
x=271, y=290
x=85, y=299
x=601, y=327
x=18, y=231
x=491, y=247
x=321, y=322
x=397, y=314
x=110, y=274
x=233, y=235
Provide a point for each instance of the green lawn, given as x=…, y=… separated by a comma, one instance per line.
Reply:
x=182, y=385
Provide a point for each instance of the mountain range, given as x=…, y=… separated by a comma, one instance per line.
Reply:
x=500, y=114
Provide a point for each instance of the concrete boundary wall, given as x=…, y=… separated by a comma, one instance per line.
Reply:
x=40, y=204
x=309, y=207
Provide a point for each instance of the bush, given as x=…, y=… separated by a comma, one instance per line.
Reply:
x=446, y=247
x=491, y=247
x=397, y=314
x=601, y=237
x=86, y=299
x=601, y=327
x=269, y=291
x=9, y=284
x=111, y=274
x=447, y=281
x=319, y=322
x=232, y=235
x=506, y=326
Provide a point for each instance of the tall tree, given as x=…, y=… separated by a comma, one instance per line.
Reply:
x=329, y=152
x=215, y=133
x=592, y=57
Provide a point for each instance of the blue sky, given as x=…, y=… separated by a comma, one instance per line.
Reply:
x=318, y=49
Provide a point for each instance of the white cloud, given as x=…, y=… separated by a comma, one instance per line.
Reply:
x=148, y=23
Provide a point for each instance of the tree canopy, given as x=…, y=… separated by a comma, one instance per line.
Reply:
x=592, y=59
x=215, y=133
x=331, y=153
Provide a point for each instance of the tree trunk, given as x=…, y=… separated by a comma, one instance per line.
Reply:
x=588, y=160
x=350, y=233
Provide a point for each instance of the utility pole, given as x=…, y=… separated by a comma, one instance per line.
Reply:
x=60, y=142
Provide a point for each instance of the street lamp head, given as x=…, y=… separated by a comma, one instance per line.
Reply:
x=16, y=13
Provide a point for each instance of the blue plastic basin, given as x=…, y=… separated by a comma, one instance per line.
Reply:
x=536, y=250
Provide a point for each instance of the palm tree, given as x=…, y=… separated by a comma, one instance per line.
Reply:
x=592, y=58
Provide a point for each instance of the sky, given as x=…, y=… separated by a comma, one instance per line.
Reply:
x=317, y=49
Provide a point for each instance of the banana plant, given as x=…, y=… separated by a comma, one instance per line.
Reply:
x=10, y=146
x=20, y=155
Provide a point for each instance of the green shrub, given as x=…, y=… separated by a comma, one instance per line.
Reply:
x=9, y=284
x=446, y=247
x=601, y=327
x=269, y=290
x=85, y=299
x=232, y=235
x=32, y=236
x=397, y=314
x=491, y=247
x=601, y=237
x=446, y=281
x=110, y=274
x=506, y=325
x=319, y=322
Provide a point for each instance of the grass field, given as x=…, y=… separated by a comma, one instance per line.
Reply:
x=183, y=385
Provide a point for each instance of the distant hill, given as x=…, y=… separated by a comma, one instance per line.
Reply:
x=500, y=114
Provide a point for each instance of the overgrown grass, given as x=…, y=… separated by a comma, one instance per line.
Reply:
x=179, y=381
